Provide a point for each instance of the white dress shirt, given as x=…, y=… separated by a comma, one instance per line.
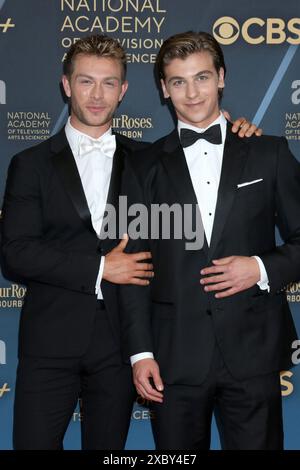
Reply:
x=204, y=162
x=94, y=168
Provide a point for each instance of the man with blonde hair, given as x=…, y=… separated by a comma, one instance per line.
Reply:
x=52, y=216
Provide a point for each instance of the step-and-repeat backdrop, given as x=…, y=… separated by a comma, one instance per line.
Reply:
x=260, y=40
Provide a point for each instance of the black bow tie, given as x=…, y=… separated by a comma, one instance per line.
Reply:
x=212, y=135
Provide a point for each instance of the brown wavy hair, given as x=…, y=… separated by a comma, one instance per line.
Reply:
x=181, y=45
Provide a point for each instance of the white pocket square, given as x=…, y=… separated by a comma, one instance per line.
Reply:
x=249, y=182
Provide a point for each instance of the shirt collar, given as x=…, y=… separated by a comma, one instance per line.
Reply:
x=75, y=136
x=220, y=120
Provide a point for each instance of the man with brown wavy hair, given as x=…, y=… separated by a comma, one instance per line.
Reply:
x=215, y=328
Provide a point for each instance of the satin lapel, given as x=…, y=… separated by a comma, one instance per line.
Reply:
x=67, y=171
x=174, y=162
x=234, y=160
x=113, y=195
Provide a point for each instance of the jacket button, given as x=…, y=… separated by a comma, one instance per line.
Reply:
x=208, y=312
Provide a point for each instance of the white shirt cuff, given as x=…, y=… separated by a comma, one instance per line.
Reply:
x=98, y=291
x=263, y=283
x=138, y=357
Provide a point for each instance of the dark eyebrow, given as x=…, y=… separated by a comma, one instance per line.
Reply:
x=202, y=72
x=175, y=78
x=206, y=72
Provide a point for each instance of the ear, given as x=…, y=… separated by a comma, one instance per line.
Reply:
x=221, y=81
x=164, y=89
x=124, y=88
x=66, y=85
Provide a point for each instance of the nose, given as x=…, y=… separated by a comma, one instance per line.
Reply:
x=97, y=91
x=191, y=90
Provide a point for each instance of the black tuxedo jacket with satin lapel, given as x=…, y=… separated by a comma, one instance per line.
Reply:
x=48, y=241
x=254, y=329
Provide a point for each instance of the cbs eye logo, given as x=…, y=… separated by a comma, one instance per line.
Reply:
x=226, y=30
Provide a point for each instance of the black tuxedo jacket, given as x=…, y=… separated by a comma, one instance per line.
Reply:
x=48, y=241
x=254, y=329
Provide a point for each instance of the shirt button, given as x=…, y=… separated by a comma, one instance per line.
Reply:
x=209, y=213
x=208, y=182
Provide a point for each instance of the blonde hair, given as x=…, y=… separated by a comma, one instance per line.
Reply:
x=99, y=45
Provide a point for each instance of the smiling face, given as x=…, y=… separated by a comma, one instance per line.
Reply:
x=95, y=89
x=192, y=85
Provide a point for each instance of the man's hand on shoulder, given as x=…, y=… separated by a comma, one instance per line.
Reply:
x=243, y=127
